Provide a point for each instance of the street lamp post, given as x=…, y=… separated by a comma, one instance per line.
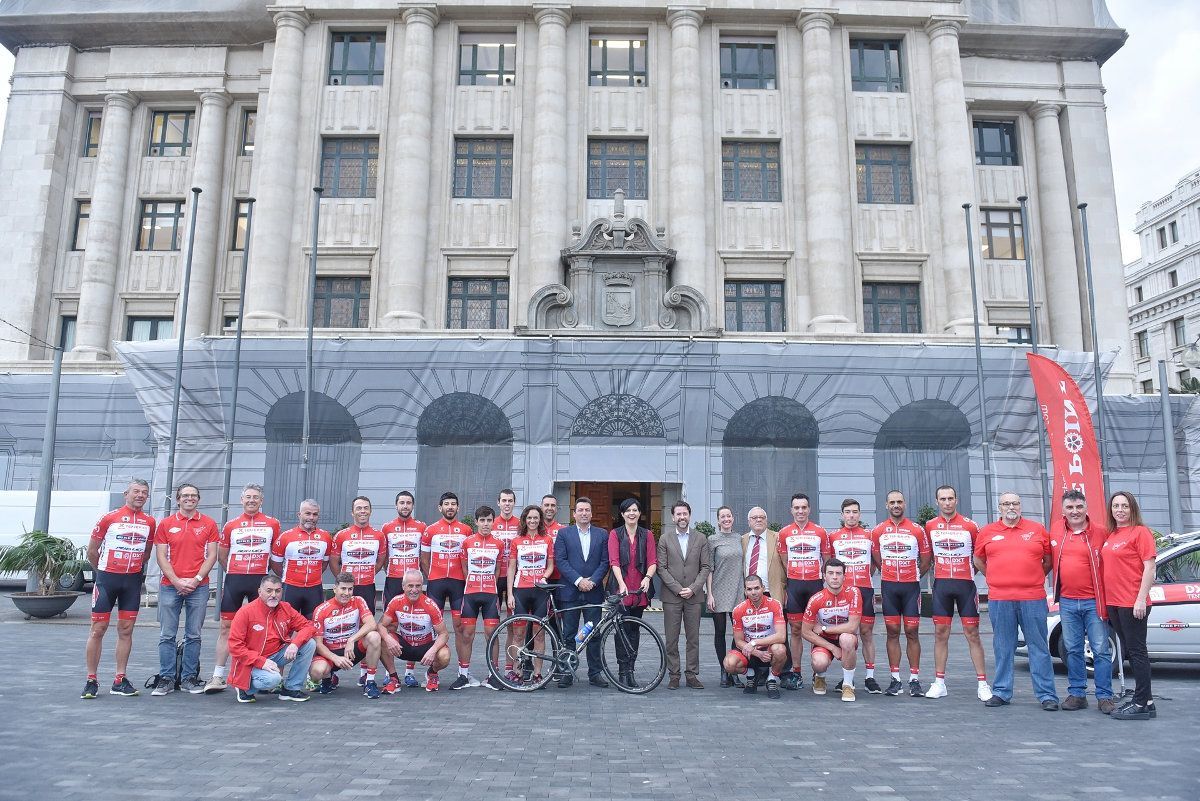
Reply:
x=1189, y=358
x=1034, y=339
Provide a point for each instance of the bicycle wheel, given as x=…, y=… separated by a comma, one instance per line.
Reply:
x=633, y=655
x=532, y=653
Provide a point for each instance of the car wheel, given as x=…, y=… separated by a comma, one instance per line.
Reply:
x=1058, y=646
x=71, y=582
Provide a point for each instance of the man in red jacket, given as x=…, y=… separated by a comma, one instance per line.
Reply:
x=1075, y=543
x=267, y=635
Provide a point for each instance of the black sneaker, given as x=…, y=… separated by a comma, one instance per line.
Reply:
x=1132, y=711
x=492, y=683
x=894, y=688
x=772, y=688
x=995, y=701
x=326, y=686
x=837, y=688
x=461, y=683
x=122, y=687
x=292, y=695
x=915, y=689
x=163, y=685
x=244, y=697
x=873, y=686
x=751, y=685
x=91, y=688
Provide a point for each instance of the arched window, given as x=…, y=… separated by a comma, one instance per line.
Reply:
x=769, y=453
x=464, y=445
x=920, y=447
x=618, y=415
x=334, y=456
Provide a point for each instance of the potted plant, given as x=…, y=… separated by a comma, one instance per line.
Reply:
x=46, y=559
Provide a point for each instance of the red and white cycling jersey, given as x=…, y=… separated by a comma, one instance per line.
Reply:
x=403, y=537
x=123, y=534
x=505, y=529
x=415, y=620
x=533, y=554
x=480, y=563
x=759, y=622
x=359, y=547
x=800, y=548
x=304, y=554
x=443, y=542
x=249, y=539
x=337, y=622
x=953, y=544
x=900, y=547
x=853, y=546
x=827, y=609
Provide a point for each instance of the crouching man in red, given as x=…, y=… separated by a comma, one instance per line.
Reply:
x=266, y=636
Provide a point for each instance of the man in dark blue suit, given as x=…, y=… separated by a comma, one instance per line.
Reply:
x=581, y=555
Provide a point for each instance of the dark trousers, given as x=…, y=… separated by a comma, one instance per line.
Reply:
x=720, y=632
x=1132, y=633
x=627, y=646
x=570, y=626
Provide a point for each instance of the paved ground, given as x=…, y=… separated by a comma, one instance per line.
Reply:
x=581, y=743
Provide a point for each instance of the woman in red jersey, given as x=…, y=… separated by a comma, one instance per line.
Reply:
x=1127, y=560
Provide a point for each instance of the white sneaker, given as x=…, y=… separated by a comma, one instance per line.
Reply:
x=472, y=681
x=984, y=692
x=936, y=690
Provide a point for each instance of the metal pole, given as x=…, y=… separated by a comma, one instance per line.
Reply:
x=1173, y=504
x=233, y=401
x=41, y=512
x=182, y=324
x=1043, y=460
x=308, y=353
x=1087, y=263
x=983, y=426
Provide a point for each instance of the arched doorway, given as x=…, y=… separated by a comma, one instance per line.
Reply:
x=769, y=453
x=920, y=447
x=464, y=445
x=334, y=455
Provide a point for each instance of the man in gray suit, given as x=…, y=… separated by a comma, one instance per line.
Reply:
x=684, y=562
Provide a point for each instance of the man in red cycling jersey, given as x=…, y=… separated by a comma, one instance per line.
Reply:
x=480, y=563
x=441, y=557
x=504, y=528
x=852, y=545
x=346, y=635
x=403, y=537
x=902, y=554
x=244, y=552
x=299, y=556
x=360, y=550
x=952, y=538
x=413, y=629
x=831, y=622
x=118, y=551
x=799, y=548
x=758, y=637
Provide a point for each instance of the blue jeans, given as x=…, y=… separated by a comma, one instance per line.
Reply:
x=266, y=680
x=1031, y=617
x=1080, y=617
x=170, y=604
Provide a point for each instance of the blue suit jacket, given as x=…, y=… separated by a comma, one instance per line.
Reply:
x=574, y=564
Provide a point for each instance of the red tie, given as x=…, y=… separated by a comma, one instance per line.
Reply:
x=754, y=555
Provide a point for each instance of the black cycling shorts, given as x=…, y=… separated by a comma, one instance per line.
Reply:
x=367, y=593
x=868, y=604
x=530, y=601
x=479, y=604
x=237, y=589
x=444, y=590
x=901, y=599
x=799, y=591
x=358, y=655
x=392, y=586
x=949, y=593
x=413, y=653
x=122, y=590
x=304, y=600
x=502, y=591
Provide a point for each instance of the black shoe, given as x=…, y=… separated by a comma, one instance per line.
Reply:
x=461, y=683
x=292, y=695
x=751, y=687
x=626, y=679
x=566, y=681
x=163, y=686
x=1134, y=711
x=837, y=688
x=737, y=680
x=995, y=700
x=122, y=687
x=772, y=688
x=192, y=685
x=326, y=686
x=91, y=689
x=872, y=686
x=244, y=697
x=597, y=681
x=1049, y=705
x=894, y=688
x=725, y=680
x=915, y=689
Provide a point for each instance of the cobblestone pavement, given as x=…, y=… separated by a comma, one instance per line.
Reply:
x=580, y=743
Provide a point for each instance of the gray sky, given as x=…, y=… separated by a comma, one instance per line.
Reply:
x=1153, y=102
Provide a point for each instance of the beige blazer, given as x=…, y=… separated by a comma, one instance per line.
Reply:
x=676, y=572
x=776, y=575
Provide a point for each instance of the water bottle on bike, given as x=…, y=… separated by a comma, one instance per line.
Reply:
x=584, y=632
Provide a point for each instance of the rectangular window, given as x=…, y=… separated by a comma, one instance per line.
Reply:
x=162, y=225
x=349, y=167
x=66, y=332
x=249, y=123
x=1162, y=236
x=341, y=302
x=747, y=63
x=892, y=308
x=1016, y=334
x=487, y=59
x=884, y=173
x=241, y=217
x=83, y=212
x=754, y=306
x=357, y=59
x=1147, y=387
x=229, y=321
x=1173, y=278
x=483, y=168
x=170, y=133
x=1000, y=234
x=617, y=164
x=477, y=303
x=148, y=329
x=995, y=143
x=617, y=61
x=1177, y=332
x=1182, y=378
x=91, y=133
x=875, y=65
x=1173, y=230
x=1141, y=344
x=750, y=171
x=1138, y=295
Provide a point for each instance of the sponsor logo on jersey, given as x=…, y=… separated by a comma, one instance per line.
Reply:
x=337, y=629
x=251, y=540
x=358, y=553
x=948, y=544
x=853, y=553
x=803, y=548
x=413, y=627
x=404, y=547
x=129, y=537
x=174, y=529
x=1027, y=536
x=483, y=562
x=897, y=548
x=310, y=550
x=259, y=627
x=530, y=558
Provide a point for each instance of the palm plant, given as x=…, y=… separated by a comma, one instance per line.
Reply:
x=44, y=557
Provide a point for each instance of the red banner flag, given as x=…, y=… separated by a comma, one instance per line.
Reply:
x=1072, y=439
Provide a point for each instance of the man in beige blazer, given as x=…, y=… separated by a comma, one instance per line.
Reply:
x=775, y=579
x=684, y=562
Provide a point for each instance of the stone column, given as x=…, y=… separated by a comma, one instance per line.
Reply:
x=207, y=173
x=687, y=228
x=98, y=284
x=1063, y=295
x=275, y=176
x=955, y=170
x=826, y=201
x=406, y=189
x=548, y=228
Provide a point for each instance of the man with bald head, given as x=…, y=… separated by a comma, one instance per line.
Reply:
x=759, y=545
x=299, y=556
